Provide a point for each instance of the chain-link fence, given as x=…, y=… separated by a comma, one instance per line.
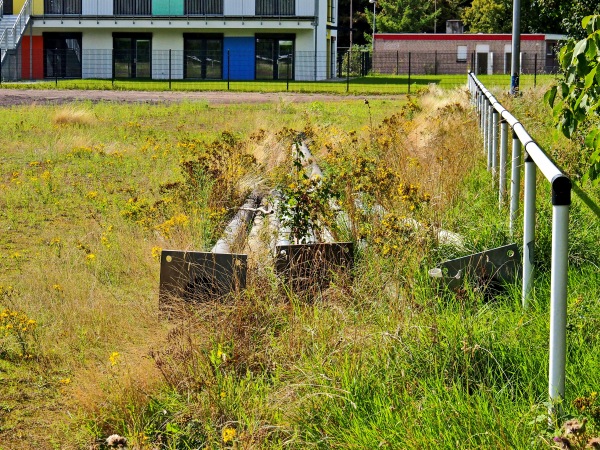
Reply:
x=356, y=71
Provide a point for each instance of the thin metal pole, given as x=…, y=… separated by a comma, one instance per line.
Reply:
x=409, y=70
x=30, y=52
x=397, y=63
x=558, y=302
x=503, y=158
x=484, y=127
x=515, y=184
x=528, y=228
x=495, y=117
x=490, y=124
x=349, y=54
x=516, y=48
x=170, y=66
x=535, y=71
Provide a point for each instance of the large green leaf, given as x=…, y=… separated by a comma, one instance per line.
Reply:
x=578, y=50
x=550, y=96
x=590, y=78
x=592, y=140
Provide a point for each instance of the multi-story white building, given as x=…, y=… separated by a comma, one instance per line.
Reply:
x=175, y=39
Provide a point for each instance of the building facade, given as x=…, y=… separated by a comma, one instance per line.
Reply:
x=174, y=39
x=457, y=53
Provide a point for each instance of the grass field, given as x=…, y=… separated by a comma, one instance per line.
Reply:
x=354, y=86
x=91, y=193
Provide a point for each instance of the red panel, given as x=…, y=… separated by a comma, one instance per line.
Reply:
x=455, y=37
x=37, y=56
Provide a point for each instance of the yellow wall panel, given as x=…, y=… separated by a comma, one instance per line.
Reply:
x=38, y=6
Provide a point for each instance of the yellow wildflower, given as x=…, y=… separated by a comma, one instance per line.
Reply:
x=156, y=251
x=114, y=358
x=228, y=434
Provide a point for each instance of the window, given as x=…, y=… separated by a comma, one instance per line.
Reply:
x=62, y=7
x=274, y=57
x=203, y=56
x=204, y=7
x=461, y=53
x=132, y=7
x=132, y=55
x=275, y=7
x=62, y=55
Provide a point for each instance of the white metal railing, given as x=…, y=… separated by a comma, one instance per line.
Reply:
x=494, y=118
x=10, y=38
x=1, y=9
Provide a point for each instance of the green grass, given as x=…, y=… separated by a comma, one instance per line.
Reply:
x=384, y=360
x=377, y=84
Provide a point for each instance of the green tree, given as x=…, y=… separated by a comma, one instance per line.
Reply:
x=488, y=16
x=403, y=16
x=576, y=98
x=537, y=16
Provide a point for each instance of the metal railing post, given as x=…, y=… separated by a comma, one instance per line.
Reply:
x=170, y=62
x=495, y=116
x=503, y=158
x=515, y=183
x=528, y=228
x=561, y=201
x=484, y=128
x=489, y=126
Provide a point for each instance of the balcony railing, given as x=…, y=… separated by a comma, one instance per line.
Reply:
x=275, y=7
x=62, y=7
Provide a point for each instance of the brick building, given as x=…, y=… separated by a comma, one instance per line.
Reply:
x=457, y=53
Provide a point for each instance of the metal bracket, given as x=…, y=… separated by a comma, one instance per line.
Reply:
x=487, y=269
x=307, y=267
x=199, y=276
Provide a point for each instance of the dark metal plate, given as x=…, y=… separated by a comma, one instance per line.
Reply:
x=199, y=276
x=490, y=268
x=313, y=266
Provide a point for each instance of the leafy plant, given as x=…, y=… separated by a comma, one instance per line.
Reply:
x=576, y=98
x=306, y=205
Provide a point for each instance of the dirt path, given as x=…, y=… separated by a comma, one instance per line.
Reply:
x=9, y=97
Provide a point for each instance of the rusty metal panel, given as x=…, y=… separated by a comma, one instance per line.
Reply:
x=307, y=267
x=486, y=269
x=199, y=276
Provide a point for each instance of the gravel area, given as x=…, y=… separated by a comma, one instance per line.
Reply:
x=11, y=97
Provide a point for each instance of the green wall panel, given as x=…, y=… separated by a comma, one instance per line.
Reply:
x=167, y=7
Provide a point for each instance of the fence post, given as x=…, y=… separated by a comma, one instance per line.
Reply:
x=528, y=228
x=409, y=70
x=535, y=70
x=287, y=81
x=495, y=116
x=490, y=135
x=503, y=158
x=228, y=68
x=113, y=68
x=397, y=63
x=54, y=64
x=349, y=54
x=561, y=201
x=170, y=69
x=515, y=186
x=484, y=127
